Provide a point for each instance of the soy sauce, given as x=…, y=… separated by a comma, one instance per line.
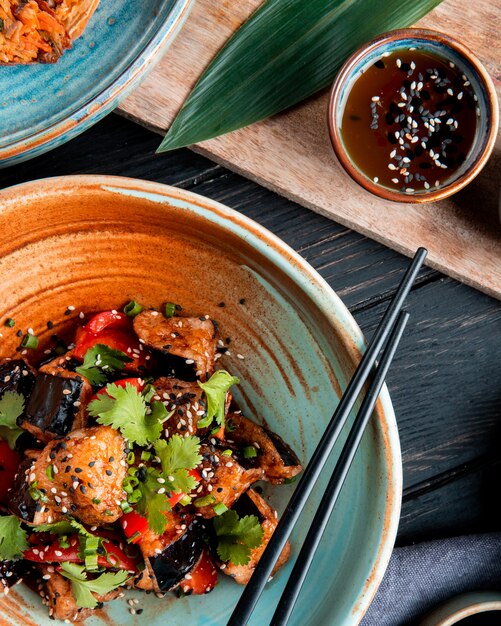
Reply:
x=410, y=120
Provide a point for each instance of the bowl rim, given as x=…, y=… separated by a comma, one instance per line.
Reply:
x=344, y=74
x=103, y=102
x=306, y=277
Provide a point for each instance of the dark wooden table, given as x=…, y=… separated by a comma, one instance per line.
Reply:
x=446, y=380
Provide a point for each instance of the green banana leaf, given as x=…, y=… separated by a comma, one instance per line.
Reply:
x=286, y=51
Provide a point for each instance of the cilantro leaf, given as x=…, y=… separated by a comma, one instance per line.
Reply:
x=82, y=588
x=153, y=505
x=237, y=536
x=216, y=389
x=11, y=407
x=125, y=409
x=177, y=456
x=13, y=539
x=100, y=361
x=66, y=526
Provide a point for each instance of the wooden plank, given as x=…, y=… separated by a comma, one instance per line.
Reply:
x=464, y=506
x=441, y=383
x=291, y=152
x=114, y=146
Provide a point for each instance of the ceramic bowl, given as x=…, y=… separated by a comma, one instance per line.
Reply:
x=463, y=606
x=95, y=242
x=448, y=48
x=44, y=105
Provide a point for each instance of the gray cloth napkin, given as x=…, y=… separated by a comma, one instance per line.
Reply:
x=421, y=576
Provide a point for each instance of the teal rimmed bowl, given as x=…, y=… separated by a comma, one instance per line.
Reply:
x=44, y=105
x=96, y=241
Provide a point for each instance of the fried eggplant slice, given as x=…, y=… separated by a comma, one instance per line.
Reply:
x=179, y=554
x=83, y=473
x=274, y=456
x=56, y=405
x=16, y=375
x=191, y=338
x=251, y=503
x=11, y=573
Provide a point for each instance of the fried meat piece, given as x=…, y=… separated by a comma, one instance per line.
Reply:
x=82, y=474
x=274, y=456
x=252, y=503
x=190, y=338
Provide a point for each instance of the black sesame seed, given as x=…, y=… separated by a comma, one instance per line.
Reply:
x=67, y=469
x=92, y=463
x=19, y=333
x=78, y=470
x=82, y=489
x=241, y=301
x=109, y=473
x=50, y=325
x=112, y=458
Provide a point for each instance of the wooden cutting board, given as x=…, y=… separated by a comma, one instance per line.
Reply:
x=291, y=153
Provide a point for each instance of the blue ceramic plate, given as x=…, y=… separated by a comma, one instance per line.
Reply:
x=42, y=106
x=96, y=241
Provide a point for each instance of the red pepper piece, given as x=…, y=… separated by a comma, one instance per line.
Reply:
x=55, y=553
x=202, y=578
x=116, y=331
x=137, y=383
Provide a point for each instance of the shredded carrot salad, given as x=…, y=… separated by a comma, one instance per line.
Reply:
x=39, y=31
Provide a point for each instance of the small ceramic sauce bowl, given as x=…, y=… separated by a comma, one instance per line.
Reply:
x=466, y=605
x=448, y=50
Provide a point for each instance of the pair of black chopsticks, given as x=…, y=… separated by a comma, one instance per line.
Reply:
x=387, y=336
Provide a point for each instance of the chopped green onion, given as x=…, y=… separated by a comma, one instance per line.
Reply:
x=170, y=309
x=220, y=508
x=227, y=452
x=90, y=552
x=230, y=426
x=49, y=472
x=249, y=452
x=289, y=481
x=9, y=322
x=125, y=506
x=133, y=537
x=131, y=457
x=215, y=430
x=185, y=500
x=96, y=501
x=132, y=308
x=63, y=542
x=145, y=455
x=204, y=501
x=29, y=341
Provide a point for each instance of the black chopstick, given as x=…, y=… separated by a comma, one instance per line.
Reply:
x=255, y=586
x=336, y=481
